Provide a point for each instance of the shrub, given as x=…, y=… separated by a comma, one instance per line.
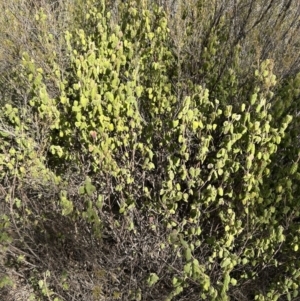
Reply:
x=140, y=178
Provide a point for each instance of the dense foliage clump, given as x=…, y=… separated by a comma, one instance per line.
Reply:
x=149, y=151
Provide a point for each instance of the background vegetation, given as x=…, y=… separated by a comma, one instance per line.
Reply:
x=149, y=150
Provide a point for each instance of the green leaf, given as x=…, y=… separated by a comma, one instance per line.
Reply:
x=175, y=123
x=171, y=175
x=109, y=96
x=89, y=188
x=188, y=268
x=84, y=101
x=225, y=262
x=81, y=190
x=253, y=98
x=206, y=283
x=175, y=281
x=4, y=134
x=233, y=281
x=188, y=254
x=152, y=279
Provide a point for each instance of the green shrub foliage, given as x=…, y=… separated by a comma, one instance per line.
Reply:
x=130, y=152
